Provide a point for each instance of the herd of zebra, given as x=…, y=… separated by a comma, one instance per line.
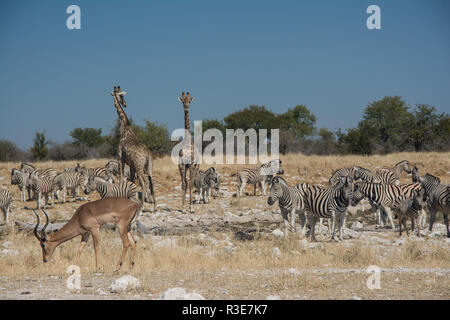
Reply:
x=348, y=186
x=48, y=184
x=313, y=203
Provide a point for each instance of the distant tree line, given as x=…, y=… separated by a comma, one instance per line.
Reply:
x=388, y=125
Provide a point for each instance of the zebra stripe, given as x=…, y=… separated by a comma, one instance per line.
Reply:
x=259, y=175
x=355, y=172
x=290, y=200
x=106, y=189
x=6, y=200
x=65, y=181
x=112, y=167
x=438, y=198
x=409, y=206
x=22, y=180
x=321, y=202
x=392, y=175
x=41, y=186
x=204, y=181
x=99, y=171
x=27, y=168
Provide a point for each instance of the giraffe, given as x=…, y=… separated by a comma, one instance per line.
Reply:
x=188, y=161
x=131, y=151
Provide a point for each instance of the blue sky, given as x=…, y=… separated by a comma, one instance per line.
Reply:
x=228, y=54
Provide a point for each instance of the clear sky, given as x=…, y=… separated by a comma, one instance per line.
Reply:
x=228, y=54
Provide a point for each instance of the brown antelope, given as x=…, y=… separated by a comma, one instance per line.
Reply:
x=86, y=221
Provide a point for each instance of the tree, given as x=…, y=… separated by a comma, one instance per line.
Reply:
x=256, y=117
x=430, y=130
x=39, y=149
x=299, y=120
x=156, y=137
x=390, y=120
x=87, y=137
x=10, y=152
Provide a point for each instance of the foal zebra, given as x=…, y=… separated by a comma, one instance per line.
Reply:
x=22, y=180
x=6, y=200
x=438, y=198
x=66, y=181
x=290, y=201
x=410, y=206
x=388, y=175
x=258, y=175
x=41, y=186
x=112, y=167
x=204, y=182
x=106, y=189
x=331, y=202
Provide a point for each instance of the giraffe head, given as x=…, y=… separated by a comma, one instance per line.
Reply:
x=118, y=95
x=186, y=100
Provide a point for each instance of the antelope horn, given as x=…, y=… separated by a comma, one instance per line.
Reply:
x=46, y=224
x=36, y=227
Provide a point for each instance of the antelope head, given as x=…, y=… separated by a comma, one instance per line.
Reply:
x=186, y=100
x=47, y=250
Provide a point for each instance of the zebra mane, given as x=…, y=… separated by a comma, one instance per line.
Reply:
x=401, y=163
x=279, y=180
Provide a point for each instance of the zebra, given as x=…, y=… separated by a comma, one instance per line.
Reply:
x=355, y=172
x=99, y=171
x=41, y=186
x=259, y=175
x=331, y=202
x=106, y=189
x=438, y=198
x=6, y=200
x=65, y=181
x=410, y=206
x=112, y=168
x=389, y=175
x=204, y=182
x=381, y=197
x=22, y=180
x=290, y=201
x=27, y=168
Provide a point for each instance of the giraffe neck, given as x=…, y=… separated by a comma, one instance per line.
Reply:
x=124, y=122
x=187, y=123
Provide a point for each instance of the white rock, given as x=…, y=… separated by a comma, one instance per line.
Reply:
x=356, y=225
x=10, y=252
x=180, y=294
x=356, y=298
x=276, y=252
x=124, y=283
x=7, y=244
x=278, y=233
x=272, y=297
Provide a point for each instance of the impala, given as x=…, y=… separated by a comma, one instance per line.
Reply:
x=86, y=221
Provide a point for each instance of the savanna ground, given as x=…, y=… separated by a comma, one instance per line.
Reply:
x=201, y=253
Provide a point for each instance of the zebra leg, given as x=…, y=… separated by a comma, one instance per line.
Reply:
x=284, y=214
x=293, y=220
x=389, y=214
x=313, y=226
x=333, y=214
x=65, y=193
x=446, y=224
x=302, y=218
x=264, y=187
x=342, y=218
x=433, y=212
